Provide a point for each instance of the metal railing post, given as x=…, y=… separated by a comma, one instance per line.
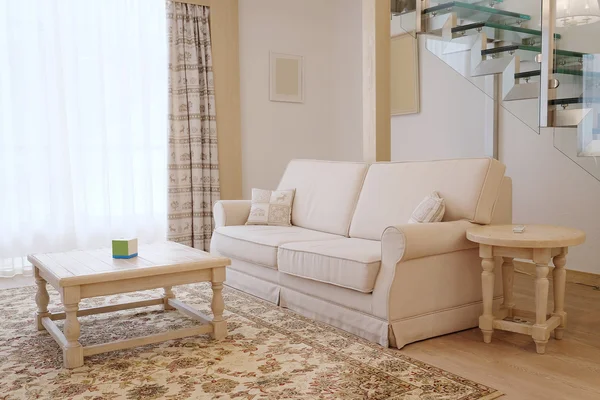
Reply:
x=548, y=88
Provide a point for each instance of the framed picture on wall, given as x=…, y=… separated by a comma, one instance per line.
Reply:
x=286, y=78
x=404, y=75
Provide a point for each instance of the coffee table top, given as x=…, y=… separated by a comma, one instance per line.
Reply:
x=535, y=236
x=81, y=267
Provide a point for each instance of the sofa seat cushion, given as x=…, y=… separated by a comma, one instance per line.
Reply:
x=258, y=243
x=349, y=263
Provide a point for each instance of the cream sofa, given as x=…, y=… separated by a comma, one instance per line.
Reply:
x=351, y=260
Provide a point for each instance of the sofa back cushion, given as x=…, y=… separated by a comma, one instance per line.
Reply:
x=391, y=192
x=326, y=193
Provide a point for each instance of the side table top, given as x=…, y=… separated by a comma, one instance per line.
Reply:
x=535, y=236
x=94, y=266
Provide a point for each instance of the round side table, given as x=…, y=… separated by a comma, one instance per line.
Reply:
x=539, y=243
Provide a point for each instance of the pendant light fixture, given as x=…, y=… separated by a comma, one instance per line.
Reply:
x=577, y=12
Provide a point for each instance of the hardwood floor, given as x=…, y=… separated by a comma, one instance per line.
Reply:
x=570, y=369
x=17, y=281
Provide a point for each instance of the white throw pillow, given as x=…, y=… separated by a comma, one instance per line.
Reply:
x=271, y=207
x=431, y=209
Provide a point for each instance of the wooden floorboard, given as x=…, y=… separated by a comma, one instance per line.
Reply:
x=570, y=369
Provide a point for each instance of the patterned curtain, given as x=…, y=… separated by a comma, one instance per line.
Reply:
x=193, y=159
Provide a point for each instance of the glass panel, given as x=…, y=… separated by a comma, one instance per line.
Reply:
x=575, y=105
x=404, y=23
x=400, y=7
x=404, y=17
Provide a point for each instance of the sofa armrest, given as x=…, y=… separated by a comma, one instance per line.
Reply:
x=406, y=246
x=410, y=241
x=231, y=212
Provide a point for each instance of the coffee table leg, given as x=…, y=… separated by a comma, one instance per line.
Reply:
x=41, y=299
x=73, y=351
x=218, y=305
x=560, y=277
x=486, y=321
x=168, y=295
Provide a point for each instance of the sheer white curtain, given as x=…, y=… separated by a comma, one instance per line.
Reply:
x=83, y=124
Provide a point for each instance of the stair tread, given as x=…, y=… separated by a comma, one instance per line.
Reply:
x=562, y=71
x=495, y=25
x=477, y=8
x=574, y=100
x=515, y=47
x=527, y=74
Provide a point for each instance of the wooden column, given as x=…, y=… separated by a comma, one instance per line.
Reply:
x=226, y=65
x=376, y=80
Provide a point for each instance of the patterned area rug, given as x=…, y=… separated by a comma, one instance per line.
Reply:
x=270, y=353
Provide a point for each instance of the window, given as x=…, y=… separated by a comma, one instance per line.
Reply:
x=83, y=123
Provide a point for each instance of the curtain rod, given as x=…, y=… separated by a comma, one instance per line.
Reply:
x=196, y=2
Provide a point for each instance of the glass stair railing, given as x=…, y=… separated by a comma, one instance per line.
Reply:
x=476, y=12
x=475, y=40
x=577, y=110
x=482, y=39
x=499, y=32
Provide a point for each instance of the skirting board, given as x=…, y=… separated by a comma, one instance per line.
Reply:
x=584, y=278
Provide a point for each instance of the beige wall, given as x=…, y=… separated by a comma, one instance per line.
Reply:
x=328, y=125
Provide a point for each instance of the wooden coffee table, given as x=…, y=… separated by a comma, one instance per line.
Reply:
x=540, y=243
x=81, y=274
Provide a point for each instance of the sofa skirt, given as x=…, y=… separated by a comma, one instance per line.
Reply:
x=442, y=322
x=261, y=288
x=272, y=286
x=357, y=323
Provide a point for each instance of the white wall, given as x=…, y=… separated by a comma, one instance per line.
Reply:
x=328, y=124
x=548, y=188
x=451, y=108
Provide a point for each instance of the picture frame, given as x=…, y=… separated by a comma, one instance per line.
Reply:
x=404, y=80
x=286, y=83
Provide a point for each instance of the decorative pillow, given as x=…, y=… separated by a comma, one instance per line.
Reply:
x=271, y=207
x=431, y=209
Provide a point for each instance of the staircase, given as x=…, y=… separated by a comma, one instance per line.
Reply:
x=485, y=39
